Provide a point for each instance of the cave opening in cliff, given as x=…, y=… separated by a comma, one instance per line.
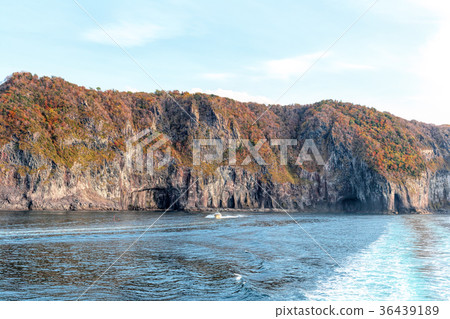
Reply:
x=163, y=199
x=351, y=204
x=398, y=203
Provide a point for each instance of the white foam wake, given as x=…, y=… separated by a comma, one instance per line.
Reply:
x=225, y=216
x=382, y=271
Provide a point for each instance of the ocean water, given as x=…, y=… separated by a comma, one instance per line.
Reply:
x=244, y=256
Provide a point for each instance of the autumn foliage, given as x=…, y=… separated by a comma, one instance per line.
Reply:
x=73, y=124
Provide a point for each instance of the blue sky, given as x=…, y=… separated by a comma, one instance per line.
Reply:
x=394, y=59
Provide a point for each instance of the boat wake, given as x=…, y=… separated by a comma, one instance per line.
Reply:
x=225, y=216
x=388, y=269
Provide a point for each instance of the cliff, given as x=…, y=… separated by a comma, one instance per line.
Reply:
x=64, y=147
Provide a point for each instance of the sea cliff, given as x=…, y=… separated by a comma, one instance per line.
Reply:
x=64, y=147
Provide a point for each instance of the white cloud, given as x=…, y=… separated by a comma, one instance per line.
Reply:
x=426, y=66
x=430, y=67
x=217, y=76
x=433, y=68
x=236, y=95
x=131, y=89
x=288, y=67
x=128, y=34
x=340, y=66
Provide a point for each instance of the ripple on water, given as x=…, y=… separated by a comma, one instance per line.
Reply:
x=259, y=257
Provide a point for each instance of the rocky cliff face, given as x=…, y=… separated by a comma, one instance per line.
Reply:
x=63, y=147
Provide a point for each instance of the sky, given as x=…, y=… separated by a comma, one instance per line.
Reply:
x=394, y=58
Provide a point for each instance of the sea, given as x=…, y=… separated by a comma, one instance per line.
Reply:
x=242, y=256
